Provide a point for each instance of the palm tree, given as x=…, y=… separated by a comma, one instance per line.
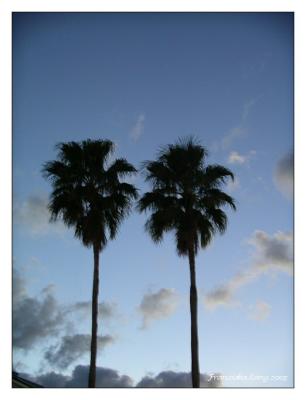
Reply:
x=186, y=198
x=89, y=196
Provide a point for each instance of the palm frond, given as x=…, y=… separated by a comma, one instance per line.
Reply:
x=86, y=194
x=186, y=196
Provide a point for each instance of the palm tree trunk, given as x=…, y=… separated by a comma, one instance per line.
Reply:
x=195, y=370
x=94, y=324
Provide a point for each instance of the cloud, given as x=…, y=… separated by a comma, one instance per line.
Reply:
x=272, y=252
x=159, y=305
x=234, y=133
x=239, y=130
x=283, y=175
x=83, y=309
x=171, y=379
x=72, y=348
x=49, y=380
x=236, y=158
x=223, y=295
x=275, y=251
x=107, y=377
x=247, y=106
x=34, y=318
x=138, y=128
x=19, y=287
x=33, y=215
x=37, y=318
x=260, y=311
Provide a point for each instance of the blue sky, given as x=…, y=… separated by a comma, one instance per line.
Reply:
x=143, y=80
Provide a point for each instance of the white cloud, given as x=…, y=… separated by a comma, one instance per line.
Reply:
x=260, y=311
x=237, y=158
x=33, y=216
x=272, y=253
x=138, y=128
x=158, y=305
x=283, y=175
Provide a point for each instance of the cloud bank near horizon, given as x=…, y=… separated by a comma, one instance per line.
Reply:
x=110, y=378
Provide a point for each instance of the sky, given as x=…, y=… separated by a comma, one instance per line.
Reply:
x=143, y=81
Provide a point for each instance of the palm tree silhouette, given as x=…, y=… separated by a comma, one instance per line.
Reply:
x=89, y=196
x=186, y=198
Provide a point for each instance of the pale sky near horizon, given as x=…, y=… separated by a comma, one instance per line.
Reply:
x=144, y=80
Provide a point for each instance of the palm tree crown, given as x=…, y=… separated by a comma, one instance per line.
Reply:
x=186, y=196
x=87, y=192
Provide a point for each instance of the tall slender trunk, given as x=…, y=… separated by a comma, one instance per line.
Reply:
x=195, y=370
x=94, y=323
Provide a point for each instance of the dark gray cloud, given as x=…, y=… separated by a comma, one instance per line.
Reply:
x=158, y=305
x=19, y=287
x=37, y=318
x=49, y=380
x=34, y=318
x=272, y=252
x=71, y=348
x=283, y=175
x=171, y=379
x=107, y=377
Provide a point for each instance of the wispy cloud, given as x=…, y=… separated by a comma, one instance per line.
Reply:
x=33, y=215
x=82, y=310
x=272, y=253
x=234, y=133
x=138, y=127
x=283, y=175
x=260, y=311
x=240, y=129
x=247, y=107
x=158, y=305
